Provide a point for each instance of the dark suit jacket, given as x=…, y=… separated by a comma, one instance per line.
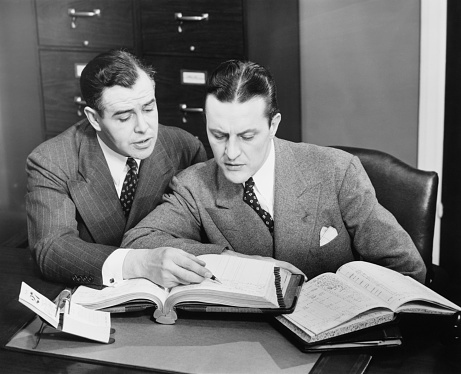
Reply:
x=315, y=187
x=75, y=220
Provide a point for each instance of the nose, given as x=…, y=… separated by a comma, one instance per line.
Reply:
x=141, y=124
x=232, y=148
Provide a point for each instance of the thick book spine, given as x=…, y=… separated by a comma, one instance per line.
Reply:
x=278, y=288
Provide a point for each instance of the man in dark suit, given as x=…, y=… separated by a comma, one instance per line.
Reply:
x=293, y=203
x=76, y=220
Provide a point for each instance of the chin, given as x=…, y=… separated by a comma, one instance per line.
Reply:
x=236, y=177
x=142, y=154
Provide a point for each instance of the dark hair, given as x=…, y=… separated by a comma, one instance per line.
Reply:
x=112, y=68
x=243, y=81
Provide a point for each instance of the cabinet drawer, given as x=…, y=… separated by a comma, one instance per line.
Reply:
x=61, y=87
x=174, y=90
x=111, y=28
x=220, y=34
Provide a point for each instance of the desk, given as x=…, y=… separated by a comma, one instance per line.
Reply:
x=422, y=352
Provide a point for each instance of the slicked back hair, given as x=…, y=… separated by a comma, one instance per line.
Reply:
x=240, y=81
x=109, y=69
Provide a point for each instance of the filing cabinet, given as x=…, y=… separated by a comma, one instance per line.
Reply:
x=184, y=40
x=70, y=33
x=193, y=28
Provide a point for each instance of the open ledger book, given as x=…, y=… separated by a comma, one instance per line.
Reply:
x=247, y=285
x=358, y=296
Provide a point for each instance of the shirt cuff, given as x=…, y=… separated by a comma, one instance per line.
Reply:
x=112, y=269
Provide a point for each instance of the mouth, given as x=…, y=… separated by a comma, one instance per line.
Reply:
x=142, y=143
x=233, y=166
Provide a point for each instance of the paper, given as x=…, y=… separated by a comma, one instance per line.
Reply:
x=77, y=320
x=87, y=323
x=325, y=302
x=38, y=303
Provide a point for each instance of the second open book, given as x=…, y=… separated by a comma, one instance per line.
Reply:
x=246, y=285
x=358, y=296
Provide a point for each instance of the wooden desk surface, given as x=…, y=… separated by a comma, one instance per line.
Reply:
x=422, y=351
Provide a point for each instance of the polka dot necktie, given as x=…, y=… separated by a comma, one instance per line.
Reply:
x=250, y=198
x=129, y=186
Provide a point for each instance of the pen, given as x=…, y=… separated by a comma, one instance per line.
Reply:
x=215, y=279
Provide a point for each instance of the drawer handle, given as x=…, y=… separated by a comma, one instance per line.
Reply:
x=80, y=103
x=179, y=17
x=74, y=14
x=185, y=109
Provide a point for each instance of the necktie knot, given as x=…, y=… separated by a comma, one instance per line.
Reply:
x=249, y=184
x=132, y=164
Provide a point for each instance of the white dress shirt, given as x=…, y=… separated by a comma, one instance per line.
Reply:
x=113, y=266
x=264, y=182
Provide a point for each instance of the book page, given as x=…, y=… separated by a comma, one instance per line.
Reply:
x=390, y=286
x=241, y=279
x=130, y=289
x=87, y=323
x=40, y=304
x=326, y=302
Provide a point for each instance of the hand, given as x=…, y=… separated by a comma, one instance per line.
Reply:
x=282, y=264
x=166, y=266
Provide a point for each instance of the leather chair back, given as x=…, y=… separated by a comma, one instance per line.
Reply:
x=408, y=193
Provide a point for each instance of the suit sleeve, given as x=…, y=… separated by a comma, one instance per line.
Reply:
x=60, y=253
x=376, y=234
x=200, y=155
x=176, y=222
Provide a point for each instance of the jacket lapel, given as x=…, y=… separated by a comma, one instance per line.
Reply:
x=237, y=221
x=154, y=175
x=295, y=207
x=94, y=193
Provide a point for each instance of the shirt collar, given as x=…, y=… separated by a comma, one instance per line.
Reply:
x=264, y=178
x=116, y=162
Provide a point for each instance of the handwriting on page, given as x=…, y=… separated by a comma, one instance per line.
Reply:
x=325, y=302
x=41, y=305
x=91, y=324
x=383, y=283
x=245, y=276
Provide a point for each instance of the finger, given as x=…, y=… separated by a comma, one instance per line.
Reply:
x=190, y=266
x=194, y=258
x=186, y=276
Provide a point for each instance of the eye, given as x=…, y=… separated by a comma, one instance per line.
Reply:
x=247, y=137
x=124, y=118
x=219, y=136
x=149, y=108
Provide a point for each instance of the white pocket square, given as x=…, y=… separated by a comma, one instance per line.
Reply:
x=327, y=234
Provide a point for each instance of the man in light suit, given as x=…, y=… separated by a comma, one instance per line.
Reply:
x=321, y=200
x=75, y=218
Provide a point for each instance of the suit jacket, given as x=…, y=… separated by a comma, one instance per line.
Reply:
x=75, y=220
x=315, y=187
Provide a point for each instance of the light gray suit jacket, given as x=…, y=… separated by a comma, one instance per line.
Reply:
x=315, y=187
x=75, y=220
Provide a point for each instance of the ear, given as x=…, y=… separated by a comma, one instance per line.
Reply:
x=275, y=124
x=93, y=117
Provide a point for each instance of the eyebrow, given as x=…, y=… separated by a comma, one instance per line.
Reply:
x=239, y=134
x=119, y=112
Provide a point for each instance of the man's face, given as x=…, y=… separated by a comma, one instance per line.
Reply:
x=130, y=122
x=239, y=135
